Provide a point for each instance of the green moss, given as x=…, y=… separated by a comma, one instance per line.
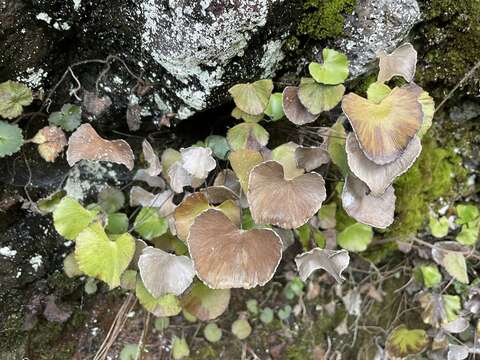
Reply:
x=324, y=18
x=450, y=39
x=436, y=174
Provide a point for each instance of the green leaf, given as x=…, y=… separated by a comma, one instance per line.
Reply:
x=101, y=257
x=468, y=236
x=161, y=323
x=294, y=288
x=212, y=333
x=438, y=228
x=50, y=203
x=180, y=348
x=303, y=233
x=189, y=317
x=129, y=352
x=428, y=109
x=149, y=224
x=317, y=97
x=91, y=286
x=285, y=312
x=117, y=223
x=11, y=139
x=219, y=146
x=252, y=98
x=336, y=147
x=378, y=91
x=454, y=263
x=70, y=218
x=274, y=108
x=266, y=315
x=252, y=306
x=128, y=280
x=205, y=303
x=164, y=306
x=431, y=275
x=241, y=329
x=327, y=216
x=13, y=97
x=355, y=237
x=241, y=115
x=70, y=266
x=467, y=213
x=334, y=69
x=247, y=135
x=111, y=199
x=285, y=155
x=319, y=238
x=452, y=306
x=402, y=342
x=68, y=118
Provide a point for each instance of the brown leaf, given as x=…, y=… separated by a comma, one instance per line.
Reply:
x=227, y=257
x=94, y=105
x=86, y=144
x=293, y=108
x=51, y=140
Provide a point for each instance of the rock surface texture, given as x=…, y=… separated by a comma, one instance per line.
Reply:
x=193, y=51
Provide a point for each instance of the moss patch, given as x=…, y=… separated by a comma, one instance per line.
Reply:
x=449, y=41
x=435, y=175
x=324, y=19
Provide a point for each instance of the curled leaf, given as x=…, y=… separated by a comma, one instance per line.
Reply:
x=198, y=161
x=333, y=262
x=141, y=197
x=365, y=207
x=384, y=130
x=379, y=177
x=86, y=144
x=400, y=62
x=154, y=166
x=51, y=140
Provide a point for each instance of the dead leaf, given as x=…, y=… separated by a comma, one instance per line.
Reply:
x=86, y=144
x=51, y=140
x=334, y=262
x=94, y=105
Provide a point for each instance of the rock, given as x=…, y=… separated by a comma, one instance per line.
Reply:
x=376, y=25
x=193, y=51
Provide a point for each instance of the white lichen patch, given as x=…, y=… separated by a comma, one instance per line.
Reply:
x=89, y=177
x=193, y=43
x=36, y=262
x=33, y=78
x=44, y=17
x=272, y=56
x=77, y=4
x=7, y=252
x=381, y=25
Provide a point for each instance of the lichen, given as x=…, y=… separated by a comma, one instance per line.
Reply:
x=437, y=174
x=324, y=19
x=450, y=38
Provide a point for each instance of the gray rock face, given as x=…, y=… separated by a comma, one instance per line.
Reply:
x=193, y=51
x=376, y=25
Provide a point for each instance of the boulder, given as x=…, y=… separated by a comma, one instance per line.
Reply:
x=191, y=51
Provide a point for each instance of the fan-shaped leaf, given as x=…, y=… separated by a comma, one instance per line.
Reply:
x=333, y=70
x=13, y=97
x=11, y=139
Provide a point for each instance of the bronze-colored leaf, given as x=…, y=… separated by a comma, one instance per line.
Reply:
x=284, y=203
x=226, y=257
x=86, y=144
x=294, y=109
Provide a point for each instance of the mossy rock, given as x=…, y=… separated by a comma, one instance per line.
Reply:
x=448, y=41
